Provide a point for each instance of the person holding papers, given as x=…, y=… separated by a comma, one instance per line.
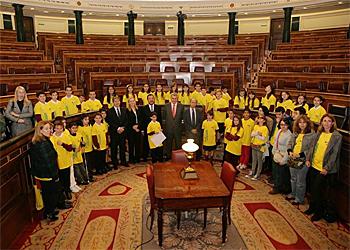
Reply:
x=154, y=129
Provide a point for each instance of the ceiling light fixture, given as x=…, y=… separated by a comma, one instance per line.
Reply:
x=304, y=8
x=62, y=11
x=32, y=9
x=193, y=15
x=167, y=15
x=45, y=11
x=90, y=13
x=245, y=13
x=219, y=14
x=340, y=2
x=274, y=11
x=116, y=14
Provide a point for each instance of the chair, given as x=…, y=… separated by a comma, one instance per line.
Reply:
x=151, y=191
x=179, y=156
x=340, y=114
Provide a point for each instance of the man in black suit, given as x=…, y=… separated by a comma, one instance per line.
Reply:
x=173, y=113
x=116, y=119
x=193, y=119
x=146, y=119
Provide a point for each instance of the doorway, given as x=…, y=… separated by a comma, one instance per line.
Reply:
x=276, y=32
x=154, y=28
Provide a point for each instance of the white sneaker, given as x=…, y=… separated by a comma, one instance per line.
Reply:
x=254, y=178
x=75, y=189
x=239, y=166
x=243, y=166
x=248, y=176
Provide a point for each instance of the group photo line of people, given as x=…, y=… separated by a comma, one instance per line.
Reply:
x=296, y=142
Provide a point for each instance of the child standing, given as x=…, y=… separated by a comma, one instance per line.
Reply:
x=92, y=104
x=317, y=111
x=228, y=125
x=80, y=172
x=57, y=107
x=234, y=142
x=248, y=125
x=99, y=141
x=42, y=110
x=258, y=143
x=152, y=129
x=63, y=146
x=240, y=100
x=220, y=107
x=86, y=131
x=210, y=128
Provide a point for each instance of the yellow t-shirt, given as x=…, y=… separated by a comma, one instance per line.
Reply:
x=57, y=108
x=267, y=102
x=240, y=101
x=43, y=109
x=86, y=132
x=209, y=132
x=264, y=131
x=252, y=105
x=315, y=115
x=218, y=115
x=64, y=157
x=248, y=126
x=160, y=100
x=228, y=125
x=106, y=102
x=298, y=144
x=320, y=150
x=153, y=127
x=77, y=152
x=273, y=136
x=143, y=97
x=167, y=95
x=126, y=99
x=91, y=105
x=204, y=100
x=100, y=131
x=185, y=99
x=211, y=101
x=305, y=106
x=286, y=105
x=226, y=96
x=71, y=104
x=235, y=147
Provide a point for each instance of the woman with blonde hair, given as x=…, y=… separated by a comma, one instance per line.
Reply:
x=20, y=111
x=323, y=161
x=133, y=130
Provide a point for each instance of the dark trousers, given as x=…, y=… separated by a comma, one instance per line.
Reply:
x=281, y=178
x=64, y=175
x=157, y=154
x=50, y=192
x=100, y=159
x=134, y=143
x=145, y=148
x=118, y=146
x=232, y=158
x=89, y=161
x=80, y=173
x=170, y=137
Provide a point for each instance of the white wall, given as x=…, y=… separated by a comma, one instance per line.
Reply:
x=324, y=20
x=108, y=27
x=254, y=25
x=171, y=28
x=206, y=27
x=51, y=24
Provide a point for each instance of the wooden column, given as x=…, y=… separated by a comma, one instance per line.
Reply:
x=79, y=36
x=286, y=26
x=131, y=32
x=231, y=28
x=19, y=22
x=180, y=28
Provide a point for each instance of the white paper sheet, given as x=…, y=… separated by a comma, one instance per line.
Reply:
x=158, y=139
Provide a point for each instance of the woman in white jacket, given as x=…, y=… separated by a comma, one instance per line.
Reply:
x=280, y=158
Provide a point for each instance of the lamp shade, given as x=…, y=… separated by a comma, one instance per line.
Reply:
x=190, y=146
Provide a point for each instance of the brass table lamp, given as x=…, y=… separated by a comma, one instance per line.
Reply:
x=190, y=148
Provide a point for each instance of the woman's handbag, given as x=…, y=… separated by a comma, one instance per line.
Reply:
x=297, y=163
x=278, y=157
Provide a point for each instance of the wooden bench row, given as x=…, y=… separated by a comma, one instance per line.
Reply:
x=317, y=82
x=345, y=44
x=311, y=54
x=27, y=67
x=316, y=66
x=83, y=68
x=17, y=46
x=32, y=82
x=8, y=55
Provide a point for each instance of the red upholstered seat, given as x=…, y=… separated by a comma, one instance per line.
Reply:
x=228, y=177
x=179, y=156
x=151, y=191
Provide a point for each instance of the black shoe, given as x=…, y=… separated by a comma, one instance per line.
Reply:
x=84, y=183
x=316, y=217
x=51, y=217
x=68, y=195
x=309, y=211
x=91, y=179
x=65, y=206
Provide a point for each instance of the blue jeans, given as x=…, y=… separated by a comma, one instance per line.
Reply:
x=298, y=183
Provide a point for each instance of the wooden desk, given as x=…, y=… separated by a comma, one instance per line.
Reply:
x=174, y=193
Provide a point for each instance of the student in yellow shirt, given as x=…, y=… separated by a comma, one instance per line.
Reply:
x=80, y=172
x=269, y=100
x=259, y=137
x=210, y=128
x=108, y=99
x=42, y=110
x=92, y=104
x=212, y=93
x=248, y=125
x=204, y=99
x=197, y=91
x=142, y=95
x=86, y=131
x=234, y=142
x=228, y=125
x=286, y=102
x=56, y=106
x=226, y=95
x=184, y=96
x=253, y=102
x=71, y=102
x=220, y=107
x=100, y=144
x=317, y=111
x=159, y=95
x=301, y=101
x=240, y=100
x=129, y=93
x=323, y=162
x=63, y=146
x=152, y=129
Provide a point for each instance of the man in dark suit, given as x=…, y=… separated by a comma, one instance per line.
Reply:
x=116, y=119
x=146, y=119
x=173, y=113
x=193, y=119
